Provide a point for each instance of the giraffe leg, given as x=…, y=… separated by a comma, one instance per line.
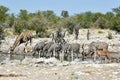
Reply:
x=72, y=56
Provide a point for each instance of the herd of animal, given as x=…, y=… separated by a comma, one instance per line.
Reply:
x=70, y=51
x=61, y=49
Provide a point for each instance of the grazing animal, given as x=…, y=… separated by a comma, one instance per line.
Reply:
x=103, y=53
x=39, y=48
x=88, y=34
x=54, y=50
x=58, y=33
x=46, y=47
x=73, y=48
x=98, y=45
x=83, y=52
x=58, y=37
x=24, y=37
x=76, y=31
x=64, y=51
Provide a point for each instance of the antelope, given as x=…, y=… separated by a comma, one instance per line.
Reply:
x=92, y=48
x=105, y=53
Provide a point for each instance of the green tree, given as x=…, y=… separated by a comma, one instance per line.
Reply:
x=21, y=22
x=49, y=15
x=117, y=11
x=88, y=16
x=64, y=13
x=18, y=27
x=85, y=24
x=114, y=24
x=3, y=13
x=1, y=34
x=10, y=20
x=109, y=15
x=23, y=15
x=69, y=24
x=38, y=22
x=101, y=23
x=85, y=19
x=96, y=16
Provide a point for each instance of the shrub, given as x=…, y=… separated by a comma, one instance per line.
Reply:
x=116, y=28
x=70, y=27
x=110, y=36
x=85, y=24
x=41, y=31
x=114, y=24
x=1, y=34
x=100, y=32
x=101, y=23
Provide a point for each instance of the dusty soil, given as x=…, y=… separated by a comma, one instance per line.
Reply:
x=86, y=70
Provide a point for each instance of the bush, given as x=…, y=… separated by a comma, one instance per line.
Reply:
x=70, y=27
x=100, y=32
x=41, y=31
x=116, y=28
x=101, y=23
x=114, y=24
x=1, y=34
x=110, y=36
x=18, y=29
x=85, y=24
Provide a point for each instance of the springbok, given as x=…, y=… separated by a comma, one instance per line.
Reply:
x=92, y=48
x=105, y=53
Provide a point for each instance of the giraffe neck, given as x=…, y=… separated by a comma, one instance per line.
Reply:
x=16, y=43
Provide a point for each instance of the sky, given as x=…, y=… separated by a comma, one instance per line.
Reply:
x=72, y=6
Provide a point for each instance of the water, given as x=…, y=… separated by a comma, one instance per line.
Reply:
x=14, y=57
x=2, y=57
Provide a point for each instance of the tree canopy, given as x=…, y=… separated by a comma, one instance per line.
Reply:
x=42, y=21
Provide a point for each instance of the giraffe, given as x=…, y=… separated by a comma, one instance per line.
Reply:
x=24, y=37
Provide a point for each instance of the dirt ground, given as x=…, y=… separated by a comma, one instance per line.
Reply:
x=55, y=70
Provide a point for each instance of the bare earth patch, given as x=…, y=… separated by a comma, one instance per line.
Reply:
x=60, y=71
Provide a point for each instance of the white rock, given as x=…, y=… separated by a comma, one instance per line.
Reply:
x=51, y=60
x=27, y=61
x=40, y=60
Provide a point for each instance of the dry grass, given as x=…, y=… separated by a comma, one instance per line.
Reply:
x=12, y=75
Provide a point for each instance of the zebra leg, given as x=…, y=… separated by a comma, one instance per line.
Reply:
x=61, y=56
x=94, y=57
x=71, y=55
